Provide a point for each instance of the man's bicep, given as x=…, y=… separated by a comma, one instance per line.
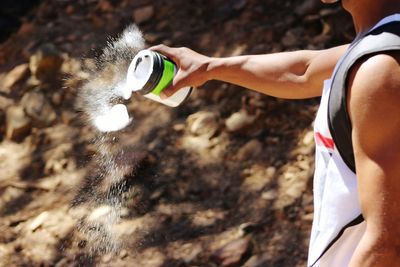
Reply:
x=322, y=65
x=374, y=99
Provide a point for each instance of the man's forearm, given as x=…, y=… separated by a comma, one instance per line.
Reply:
x=295, y=75
x=281, y=75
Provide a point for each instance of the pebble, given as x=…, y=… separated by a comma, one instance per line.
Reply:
x=203, y=123
x=232, y=254
x=289, y=39
x=18, y=125
x=143, y=14
x=269, y=195
x=46, y=62
x=38, y=109
x=250, y=150
x=38, y=221
x=107, y=257
x=237, y=121
x=308, y=138
x=105, y=6
x=309, y=217
x=239, y=4
x=13, y=77
x=123, y=254
x=259, y=261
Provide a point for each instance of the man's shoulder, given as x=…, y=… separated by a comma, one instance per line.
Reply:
x=373, y=100
x=376, y=75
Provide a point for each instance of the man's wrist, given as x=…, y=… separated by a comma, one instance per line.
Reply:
x=211, y=66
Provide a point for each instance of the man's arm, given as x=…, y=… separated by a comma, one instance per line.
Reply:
x=374, y=106
x=295, y=75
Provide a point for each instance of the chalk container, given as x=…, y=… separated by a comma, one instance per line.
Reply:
x=150, y=73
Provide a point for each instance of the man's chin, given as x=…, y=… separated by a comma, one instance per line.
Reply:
x=330, y=1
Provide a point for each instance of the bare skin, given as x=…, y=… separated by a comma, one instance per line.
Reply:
x=374, y=111
x=374, y=97
x=292, y=75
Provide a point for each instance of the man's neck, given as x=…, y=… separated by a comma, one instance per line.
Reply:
x=369, y=13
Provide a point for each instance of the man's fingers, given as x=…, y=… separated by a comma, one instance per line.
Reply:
x=165, y=50
x=177, y=83
x=167, y=92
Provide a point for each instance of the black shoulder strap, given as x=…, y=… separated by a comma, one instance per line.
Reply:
x=384, y=38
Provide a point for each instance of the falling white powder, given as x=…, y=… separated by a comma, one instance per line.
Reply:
x=113, y=119
x=123, y=90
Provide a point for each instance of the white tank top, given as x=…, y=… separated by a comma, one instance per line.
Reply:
x=336, y=202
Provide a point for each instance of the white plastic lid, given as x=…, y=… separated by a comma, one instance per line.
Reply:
x=139, y=71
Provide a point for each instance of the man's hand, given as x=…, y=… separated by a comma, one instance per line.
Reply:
x=192, y=68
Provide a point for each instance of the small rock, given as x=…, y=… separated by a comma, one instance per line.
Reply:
x=38, y=221
x=259, y=261
x=152, y=37
x=18, y=125
x=179, y=127
x=192, y=254
x=57, y=159
x=31, y=83
x=67, y=117
x=203, y=123
x=239, y=4
x=247, y=228
x=56, y=98
x=257, y=177
x=308, y=138
x=123, y=254
x=13, y=77
x=290, y=39
x=71, y=66
x=250, y=150
x=26, y=28
x=5, y=102
x=292, y=183
x=308, y=217
x=237, y=121
x=46, y=62
x=233, y=253
x=107, y=257
x=269, y=195
x=143, y=14
x=96, y=20
x=38, y=109
x=105, y=6
x=49, y=183
x=63, y=262
x=69, y=10
x=308, y=7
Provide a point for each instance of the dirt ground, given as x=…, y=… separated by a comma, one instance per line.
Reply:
x=223, y=180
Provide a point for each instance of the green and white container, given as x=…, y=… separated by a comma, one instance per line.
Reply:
x=150, y=73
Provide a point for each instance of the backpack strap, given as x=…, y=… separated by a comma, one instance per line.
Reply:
x=383, y=39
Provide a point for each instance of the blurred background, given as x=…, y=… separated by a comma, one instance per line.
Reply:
x=223, y=180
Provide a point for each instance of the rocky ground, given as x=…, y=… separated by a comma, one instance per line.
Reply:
x=224, y=180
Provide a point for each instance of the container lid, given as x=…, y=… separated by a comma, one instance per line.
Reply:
x=144, y=72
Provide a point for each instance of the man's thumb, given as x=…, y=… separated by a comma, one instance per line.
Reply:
x=174, y=86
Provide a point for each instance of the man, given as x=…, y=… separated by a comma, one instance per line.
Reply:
x=339, y=237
